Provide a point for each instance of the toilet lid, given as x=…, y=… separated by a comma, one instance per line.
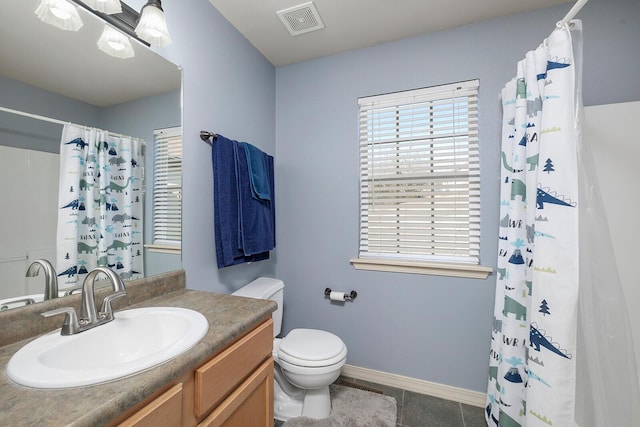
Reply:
x=311, y=347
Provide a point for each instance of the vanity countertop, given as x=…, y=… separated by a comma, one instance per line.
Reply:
x=229, y=318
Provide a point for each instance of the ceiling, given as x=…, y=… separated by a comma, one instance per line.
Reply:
x=353, y=24
x=349, y=24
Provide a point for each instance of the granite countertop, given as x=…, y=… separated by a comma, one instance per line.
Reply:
x=229, y=318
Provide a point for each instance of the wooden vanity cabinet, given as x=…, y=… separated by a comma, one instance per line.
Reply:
x=251, y=404
x=232, y=389
x=165, y=410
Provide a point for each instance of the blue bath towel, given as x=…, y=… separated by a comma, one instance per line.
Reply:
x=257, y=162
x=244, y=226
x=256, y=217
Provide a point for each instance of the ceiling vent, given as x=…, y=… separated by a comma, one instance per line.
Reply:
x=301, y=19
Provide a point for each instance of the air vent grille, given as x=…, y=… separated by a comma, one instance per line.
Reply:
x=301, y=19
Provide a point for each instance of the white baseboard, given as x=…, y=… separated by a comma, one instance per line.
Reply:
x=442, y=391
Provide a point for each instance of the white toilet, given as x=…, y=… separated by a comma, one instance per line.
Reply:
x=306, y=360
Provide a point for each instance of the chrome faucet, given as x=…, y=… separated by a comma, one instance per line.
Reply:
x=89, y=316
x=89, y=312
x=50, y=278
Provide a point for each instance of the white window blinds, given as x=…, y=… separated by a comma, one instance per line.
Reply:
x=167, y=187
x=420, y=175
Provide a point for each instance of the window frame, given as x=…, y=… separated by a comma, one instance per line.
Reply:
x=399, y=137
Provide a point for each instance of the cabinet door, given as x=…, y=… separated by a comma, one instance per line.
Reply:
x=166, y=411
x=216, y=379
x=251, y=404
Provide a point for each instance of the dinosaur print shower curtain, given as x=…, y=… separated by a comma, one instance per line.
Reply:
x=100, y=204
x=532, y=359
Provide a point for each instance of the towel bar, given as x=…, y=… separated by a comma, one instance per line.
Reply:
x=205, y=135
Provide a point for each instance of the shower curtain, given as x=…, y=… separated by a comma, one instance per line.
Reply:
x=558, y=310
x=100, y=204
x=532, y=364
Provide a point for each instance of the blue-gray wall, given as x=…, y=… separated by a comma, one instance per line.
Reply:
x=23, y=132
x=228, y=88
x=427, y=327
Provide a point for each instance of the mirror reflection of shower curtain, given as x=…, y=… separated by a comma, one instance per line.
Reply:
x=100, y=204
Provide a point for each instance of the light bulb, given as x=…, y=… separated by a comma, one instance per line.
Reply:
x=152, y=26
x=59, y=13
x=115, y=43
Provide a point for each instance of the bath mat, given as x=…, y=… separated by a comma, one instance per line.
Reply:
x=353, y=408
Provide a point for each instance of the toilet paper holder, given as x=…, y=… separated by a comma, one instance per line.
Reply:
x=347, y=296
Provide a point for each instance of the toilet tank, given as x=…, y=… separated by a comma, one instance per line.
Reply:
x=269, y=289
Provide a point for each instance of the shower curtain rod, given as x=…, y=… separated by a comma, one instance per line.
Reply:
x=57, y=122
x=33, y=116
x=572, y=13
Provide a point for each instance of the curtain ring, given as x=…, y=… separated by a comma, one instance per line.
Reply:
x=566, y=25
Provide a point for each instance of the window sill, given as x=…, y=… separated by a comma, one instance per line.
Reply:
x=468, y=271
x=164, y=249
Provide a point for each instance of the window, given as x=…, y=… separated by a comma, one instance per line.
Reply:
x=167, y=190
x=420, y=181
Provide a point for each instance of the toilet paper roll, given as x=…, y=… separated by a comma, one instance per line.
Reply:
x=337, y=296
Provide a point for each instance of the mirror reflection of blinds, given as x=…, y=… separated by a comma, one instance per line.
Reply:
x=167, y=187
x=420, y=175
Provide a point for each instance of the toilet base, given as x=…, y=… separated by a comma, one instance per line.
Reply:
x=296, y=402
x=317, y=403
x=286, y=406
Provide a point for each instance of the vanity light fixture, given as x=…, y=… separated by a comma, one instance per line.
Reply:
x=152, y=26
x=59, y=13
x=115, y=43
x=105, y=6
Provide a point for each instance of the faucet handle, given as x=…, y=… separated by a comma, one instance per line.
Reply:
x=106, y=304
x=72, y=290
x=70, y=325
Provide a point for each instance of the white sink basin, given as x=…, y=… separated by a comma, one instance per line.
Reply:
x=135, y=340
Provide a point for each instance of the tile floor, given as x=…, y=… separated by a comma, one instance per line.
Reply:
x=419, y=410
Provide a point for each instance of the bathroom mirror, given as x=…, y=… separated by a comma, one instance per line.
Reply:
x=53, y=73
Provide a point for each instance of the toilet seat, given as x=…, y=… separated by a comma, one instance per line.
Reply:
x=290, y=368
x=311, y=348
